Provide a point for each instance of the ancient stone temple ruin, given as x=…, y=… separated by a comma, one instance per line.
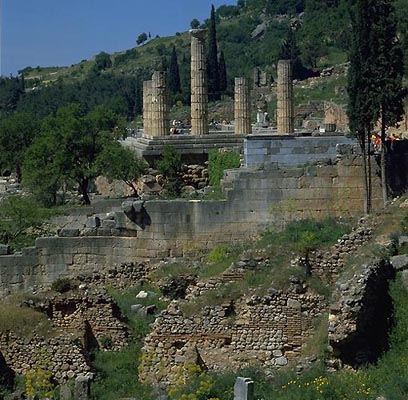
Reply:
x=160, y=124
x=285, y=121
x=156, y=106
x=199, y=95
x=242, y=107
x=147, y=101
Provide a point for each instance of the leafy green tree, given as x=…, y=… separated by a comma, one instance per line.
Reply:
x=102, y=61
x=169, y=166
x=174, y=73
x=68, y=147
x=119, y=163
x=227, y=12
x=17, y=214
x=212, y=59
x=16, y=135
x=42, y=169
x=11, y=91
x=141, y=38
x=195, y=23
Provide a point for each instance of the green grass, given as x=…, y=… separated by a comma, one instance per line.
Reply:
x=325, y=90
x=280, y=248
x=22, y=320
x=117, y=374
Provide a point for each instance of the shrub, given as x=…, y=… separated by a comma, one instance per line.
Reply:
x=218, y=254
x=62, y=285
x=218, y=162
x=170, y=166
x=106, y=342
x=38, y=384
x=17, y=214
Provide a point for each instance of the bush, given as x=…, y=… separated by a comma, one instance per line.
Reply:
x=170, y=166
x=62, y=285
x=17, y=214
x=106, y=342
x=218, y=162
x=219, y=254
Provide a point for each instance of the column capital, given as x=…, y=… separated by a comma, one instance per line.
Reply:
x=198, y=33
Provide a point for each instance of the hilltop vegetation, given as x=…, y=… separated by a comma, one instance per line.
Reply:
x=251, y=34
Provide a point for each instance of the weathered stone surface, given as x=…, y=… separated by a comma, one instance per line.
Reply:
x=400, y=262
x=69, y=232
x=404, y=276
x=244, y=389
x=4, y=249
x=285, y=111
x=402, y=240
x=199, y=95
x=82, y=388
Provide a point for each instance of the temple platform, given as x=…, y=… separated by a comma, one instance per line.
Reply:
x=192, y=148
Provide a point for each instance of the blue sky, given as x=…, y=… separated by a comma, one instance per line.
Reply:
x=63, y=32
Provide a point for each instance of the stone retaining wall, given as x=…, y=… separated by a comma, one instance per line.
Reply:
x=64, y=357
x=289, y=150
x=255, y=200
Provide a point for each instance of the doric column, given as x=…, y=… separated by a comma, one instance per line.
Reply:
x=199, y=95
x=242, y=108
x=147, y=101
x=159, y=108
x=285, y=113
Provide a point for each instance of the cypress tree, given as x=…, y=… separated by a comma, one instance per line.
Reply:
x=223, y=73
x=387, y=82
x=360, y=112
x=290, y=51
x=375, y=78
x=174, y=73
x=212, y=60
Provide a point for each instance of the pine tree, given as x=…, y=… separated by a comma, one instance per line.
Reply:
x=223, y=73
x=212, y=66
x=174, y=73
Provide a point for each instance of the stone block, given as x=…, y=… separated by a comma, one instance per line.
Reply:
x=405, y=279
x=402, y=240
x=400, y=263
x=93, y=222
x=69, y=232
x=4, y=249
x=281, y=361
x=108, y=224
x=66, y=392
x=29, y=251
x=244, y=389
x=82, y=388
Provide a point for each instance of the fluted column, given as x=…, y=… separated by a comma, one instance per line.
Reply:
x=285, y=113
x=242, y=108
x=199, y=94
x=159, y=105
x=147, y=101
